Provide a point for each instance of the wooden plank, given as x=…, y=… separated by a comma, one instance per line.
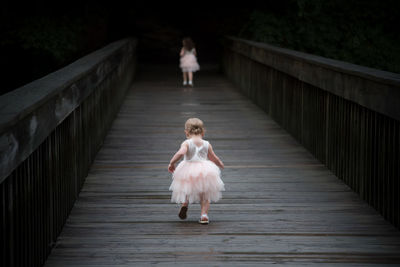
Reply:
x=281, y=205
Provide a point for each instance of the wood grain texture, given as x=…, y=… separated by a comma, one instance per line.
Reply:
x=281, y=205
x=50, y=132
x=359, y=145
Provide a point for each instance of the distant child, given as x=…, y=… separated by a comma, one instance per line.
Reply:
x=196, y=178
x=188, y=60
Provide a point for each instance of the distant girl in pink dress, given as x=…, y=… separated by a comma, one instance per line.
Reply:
x=188, y=60
x=196, y=178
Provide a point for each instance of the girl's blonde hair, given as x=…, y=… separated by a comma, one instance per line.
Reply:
x=194, y=126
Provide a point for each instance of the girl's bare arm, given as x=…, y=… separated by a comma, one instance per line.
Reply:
x=178, y=155
x=182, y=52
x=214, y=158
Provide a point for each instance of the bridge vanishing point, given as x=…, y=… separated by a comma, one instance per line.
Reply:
x=310, y=145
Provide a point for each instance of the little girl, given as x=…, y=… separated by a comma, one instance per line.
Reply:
x=196, y=178
x=188, y=60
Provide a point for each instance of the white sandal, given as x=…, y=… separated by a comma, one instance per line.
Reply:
x=204, y=221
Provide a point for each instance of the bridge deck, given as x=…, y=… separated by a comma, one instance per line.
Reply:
x=280, y=205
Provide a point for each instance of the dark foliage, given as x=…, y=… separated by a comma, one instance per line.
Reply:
x=41, y=37
x=361, y=32
x=36, y=43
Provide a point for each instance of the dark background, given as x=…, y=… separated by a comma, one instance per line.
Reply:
x=41, y=36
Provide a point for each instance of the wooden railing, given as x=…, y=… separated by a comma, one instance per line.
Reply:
x=347, y=116
x=51, y=130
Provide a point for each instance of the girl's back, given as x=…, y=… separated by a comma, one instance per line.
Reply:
x=189, y=52
x=197, y=149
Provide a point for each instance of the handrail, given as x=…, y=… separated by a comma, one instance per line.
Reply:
x=50, y=132
x=347, y=116
x=372, y=88
x=29, y=113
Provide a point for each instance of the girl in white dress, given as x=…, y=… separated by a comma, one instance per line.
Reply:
x=188, y=60
x=196, y=178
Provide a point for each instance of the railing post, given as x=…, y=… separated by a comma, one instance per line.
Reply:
x=51, y=130
x=349, y=115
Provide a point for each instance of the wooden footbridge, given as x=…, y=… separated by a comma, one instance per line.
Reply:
x=84, y=165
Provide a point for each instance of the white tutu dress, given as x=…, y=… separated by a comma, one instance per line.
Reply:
x=196, y=174
x=188, y=62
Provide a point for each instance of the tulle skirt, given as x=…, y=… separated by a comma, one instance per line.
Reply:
x=188, y=63
x=193, y=178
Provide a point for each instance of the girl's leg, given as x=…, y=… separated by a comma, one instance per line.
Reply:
x=186, y=203
x=184, y=77
x=190, y=76
x=205, y=204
